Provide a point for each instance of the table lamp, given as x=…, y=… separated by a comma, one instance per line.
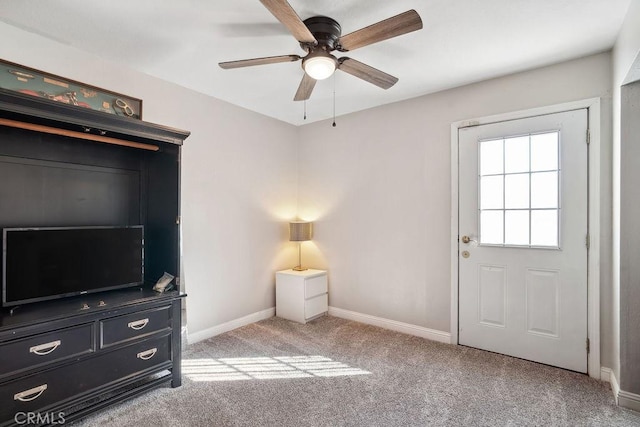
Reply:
x=300, y=231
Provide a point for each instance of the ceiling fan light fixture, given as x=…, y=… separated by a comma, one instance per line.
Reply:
x=319, y=65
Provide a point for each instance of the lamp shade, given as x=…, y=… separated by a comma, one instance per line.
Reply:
x=300, y=231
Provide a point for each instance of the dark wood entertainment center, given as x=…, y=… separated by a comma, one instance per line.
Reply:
x=65, y=166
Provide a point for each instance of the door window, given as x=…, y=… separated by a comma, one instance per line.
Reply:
x=519, y=198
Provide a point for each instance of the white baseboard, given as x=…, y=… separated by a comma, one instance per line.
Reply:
x=629, y=400
x=623, y=398
x=615, y=387
x=405, y=328
x=606, y=374
x=231, y=325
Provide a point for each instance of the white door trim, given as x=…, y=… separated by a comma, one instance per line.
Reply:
x=593, y=274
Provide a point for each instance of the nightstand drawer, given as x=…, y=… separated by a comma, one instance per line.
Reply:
x=133, y=326
x=35, y=392
x=45, y=348
x=314, y=286
x=316, y=306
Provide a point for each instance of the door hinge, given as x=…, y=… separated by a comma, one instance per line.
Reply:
x=588, y=346
x=588, y=241
x=588, y=136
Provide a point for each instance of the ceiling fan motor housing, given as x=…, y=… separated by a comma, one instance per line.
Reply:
x=327, y=32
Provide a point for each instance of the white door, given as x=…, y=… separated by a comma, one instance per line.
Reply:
x=523, y=269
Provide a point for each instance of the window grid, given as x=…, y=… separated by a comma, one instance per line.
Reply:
x=519, y=173
x=530, y=175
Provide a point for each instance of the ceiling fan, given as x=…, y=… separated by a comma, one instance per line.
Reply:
x=321, y=35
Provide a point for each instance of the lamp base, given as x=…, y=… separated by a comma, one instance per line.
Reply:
x=299, y=268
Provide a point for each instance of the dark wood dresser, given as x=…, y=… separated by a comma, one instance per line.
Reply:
x=69, y=358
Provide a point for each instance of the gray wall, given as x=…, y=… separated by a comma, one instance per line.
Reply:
x=625, y=52
x=379, y=188
x=630, y=240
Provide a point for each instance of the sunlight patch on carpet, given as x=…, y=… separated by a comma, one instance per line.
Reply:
x=266, y=368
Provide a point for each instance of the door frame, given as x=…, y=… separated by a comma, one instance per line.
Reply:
x=593, y=260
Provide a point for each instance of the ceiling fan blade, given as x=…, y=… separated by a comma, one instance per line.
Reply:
x=392, y=27
x=282, y=10
x=306, y=87
x=258, y=61
x=367, y=73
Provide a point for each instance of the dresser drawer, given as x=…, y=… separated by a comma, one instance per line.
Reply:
x=316, y=306
x=315, y=286
x=133, y=326
x=43, y=349
x=39, y=391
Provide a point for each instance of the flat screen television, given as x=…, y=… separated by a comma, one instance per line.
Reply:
x=41, y=264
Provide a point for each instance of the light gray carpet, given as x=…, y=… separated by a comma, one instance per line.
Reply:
x=333, y=372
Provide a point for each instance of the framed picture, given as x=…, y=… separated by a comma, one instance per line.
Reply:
x=32, y=82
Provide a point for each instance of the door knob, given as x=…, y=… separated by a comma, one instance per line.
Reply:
x=467, y=240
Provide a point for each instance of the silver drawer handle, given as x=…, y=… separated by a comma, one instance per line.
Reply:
x=138, y=324
x=43, y=349
x=146, y=355
x=35, y=393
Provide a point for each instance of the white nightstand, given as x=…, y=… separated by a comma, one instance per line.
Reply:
x=301, y=295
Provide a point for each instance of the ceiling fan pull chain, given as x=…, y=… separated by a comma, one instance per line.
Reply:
x=334, y=101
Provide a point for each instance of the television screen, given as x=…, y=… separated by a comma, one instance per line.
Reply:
x=48, y=263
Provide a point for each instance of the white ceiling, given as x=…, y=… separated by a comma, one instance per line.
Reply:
x=463, y=41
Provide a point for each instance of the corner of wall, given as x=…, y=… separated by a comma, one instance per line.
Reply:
x=625, y=51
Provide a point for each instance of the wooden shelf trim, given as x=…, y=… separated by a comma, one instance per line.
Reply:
x=79, y=135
